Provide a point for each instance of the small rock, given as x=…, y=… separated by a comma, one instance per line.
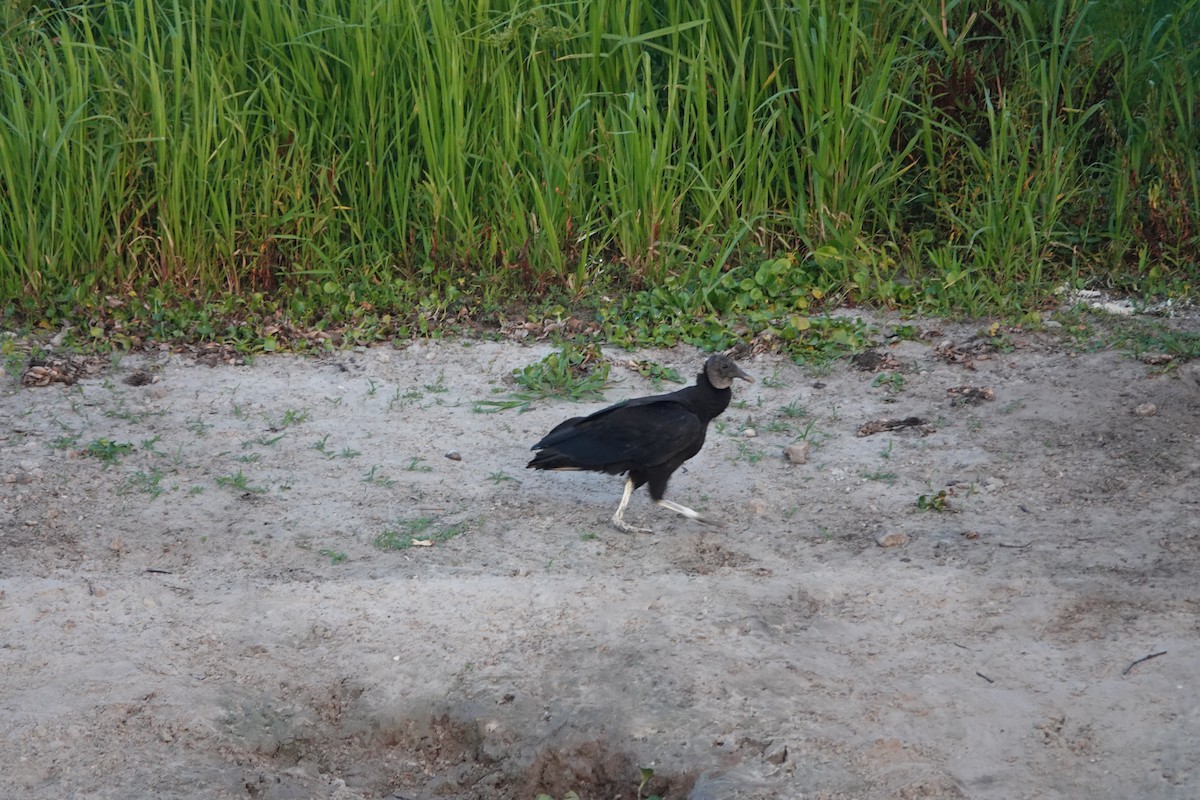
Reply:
x=778, y=756
x=797, y=453
x=749, y=433
x=756, y=506
x=1145, y=410
x=891, y=539
x=454, y=455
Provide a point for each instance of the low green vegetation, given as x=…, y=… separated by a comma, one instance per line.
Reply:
x=656, y=373
x=107, y=450
x=418, y=532
x=576, y=373
x=302, y=176
x=940, y=501
x=377, y=478
x=335, y=556
x=239, y=481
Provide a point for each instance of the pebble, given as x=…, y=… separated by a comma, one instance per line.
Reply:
x=778, y=756
x=756, y=506
x=749, y=433
x=1146, y=410
x=797, y=453
x=891, y=539
x=454, y=455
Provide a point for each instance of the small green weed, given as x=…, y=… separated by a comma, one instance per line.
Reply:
x=148, y=482
x=573, y=373
x=107, y=450
x=290, y=417
x=778, y=426
x=500, y=477
x=906, y=332
x=322, y=447
x=65, y=442
x=239, y=481
x=335, y=556
x=773, y=381
x=1010, y=407
x=748, y=453
x=892, y=382
x=656, y=373
x=418, y=532
x=879, y=475
x=376, y=478
x=934, y=502
x=404, y=399
x=793, y=410
x=415, y=465
x=812, y=434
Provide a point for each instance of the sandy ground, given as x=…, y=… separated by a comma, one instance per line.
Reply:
x=224, y=607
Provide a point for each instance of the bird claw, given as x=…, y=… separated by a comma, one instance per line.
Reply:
x=625, y=526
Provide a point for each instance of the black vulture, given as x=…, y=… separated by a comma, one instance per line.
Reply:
x=647, y=437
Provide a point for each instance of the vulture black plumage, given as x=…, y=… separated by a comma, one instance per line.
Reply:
x=647, y=437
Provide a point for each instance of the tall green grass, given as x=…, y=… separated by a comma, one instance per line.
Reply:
x=951, y=156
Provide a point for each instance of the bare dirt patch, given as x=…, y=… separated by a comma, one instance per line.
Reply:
x=214, y=583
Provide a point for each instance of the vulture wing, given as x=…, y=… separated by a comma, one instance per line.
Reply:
x=631, y=435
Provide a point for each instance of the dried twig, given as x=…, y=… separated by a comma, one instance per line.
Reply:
x=985, y=677
x=1143, y=658
x=1014, y=546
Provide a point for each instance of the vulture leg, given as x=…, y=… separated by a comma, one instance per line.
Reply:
x=685, y=511
x=618, y=518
